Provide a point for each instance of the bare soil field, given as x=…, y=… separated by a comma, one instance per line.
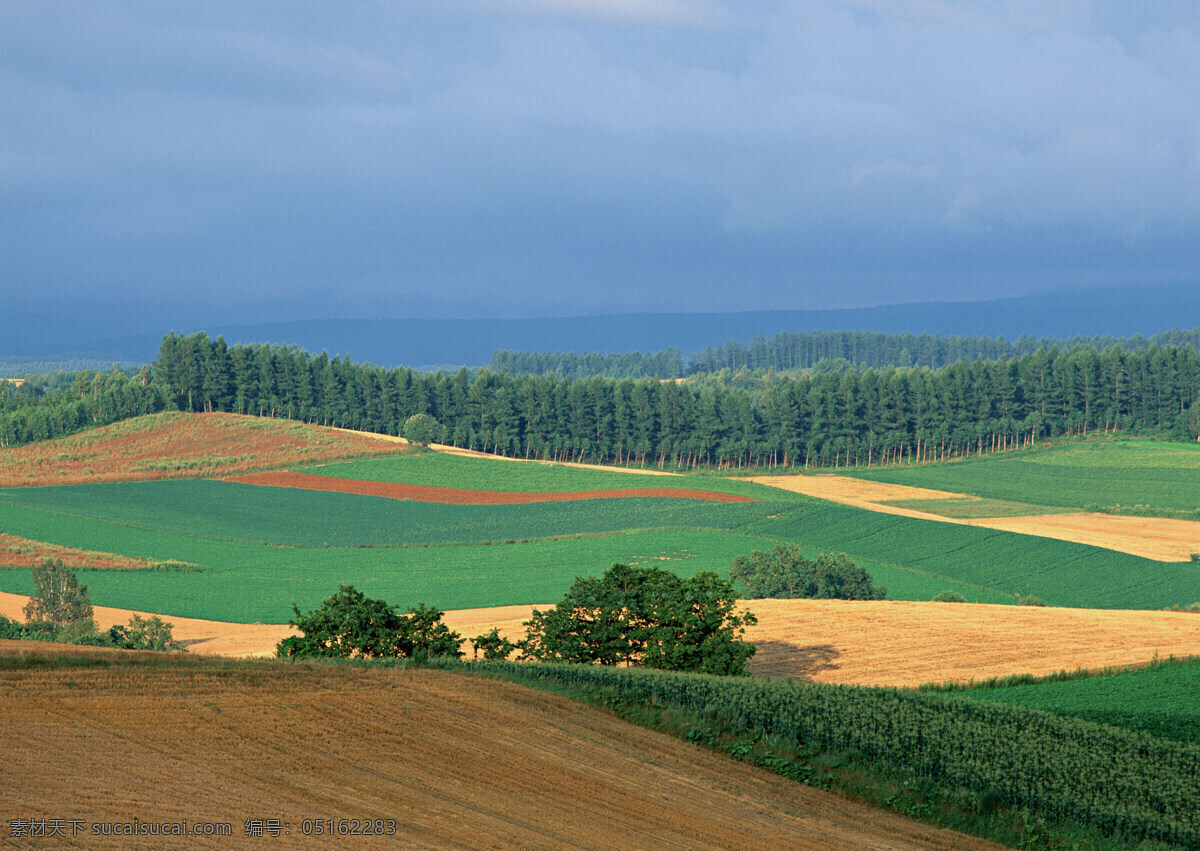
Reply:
x=459, y=496
x=453, y=761
x=178, y=445
x=1158, y=538
x=23, y=552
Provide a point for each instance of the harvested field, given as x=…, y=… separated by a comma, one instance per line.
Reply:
x=179, y=445
x=22, y=552
x=901, y=643
x=458, y=496
x=1157, y=538
x=455, y=761
x=209, y=638
x=888, y=642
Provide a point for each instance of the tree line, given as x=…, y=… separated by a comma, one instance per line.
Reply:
x=824, y=350
x=858, y=417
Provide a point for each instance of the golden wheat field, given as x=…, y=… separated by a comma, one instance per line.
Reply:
x=885, y=642
x=441, y=759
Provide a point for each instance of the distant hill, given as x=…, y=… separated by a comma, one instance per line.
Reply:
x=1120, y=311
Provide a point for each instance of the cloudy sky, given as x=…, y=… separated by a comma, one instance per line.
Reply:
x=560, y=157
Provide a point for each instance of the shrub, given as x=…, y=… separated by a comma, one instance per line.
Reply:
x=1030, y=600
x=349, y=624
x=786, y=573
x=644, y=616
x=949, y=597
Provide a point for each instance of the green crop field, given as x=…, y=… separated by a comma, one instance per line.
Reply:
x=507, y=476
x=291, y=517
x=264, y=548
x=1139, y=475
x=1160, y=699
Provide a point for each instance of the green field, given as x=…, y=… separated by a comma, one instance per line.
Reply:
x=1140, y=476
x=1163, y=699
x=508, y=476
x=278, y=545
x=303, y=518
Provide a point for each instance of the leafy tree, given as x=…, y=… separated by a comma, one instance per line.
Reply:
x=786, y=573
x=494, y=646
x=140, y=633
x=421, y=429
x=59, y=599
x=644, y=616
x=350, y=624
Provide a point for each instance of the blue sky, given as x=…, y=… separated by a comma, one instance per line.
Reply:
x=559, y=157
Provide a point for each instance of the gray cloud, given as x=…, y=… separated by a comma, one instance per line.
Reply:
x=536, y=156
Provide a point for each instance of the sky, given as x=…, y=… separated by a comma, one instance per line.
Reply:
x=518, y=158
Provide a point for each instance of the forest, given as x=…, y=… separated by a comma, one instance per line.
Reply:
x=823, y=350
x=861, y=416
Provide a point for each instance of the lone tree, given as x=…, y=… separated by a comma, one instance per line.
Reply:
x=421, y=429
x=58, y=600
x=786, y=573
x=350, y=624
x=644, y=616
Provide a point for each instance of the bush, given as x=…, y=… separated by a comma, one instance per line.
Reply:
x=949, y=597
x=644, y=616
x=1030, y=600
x=421, y=429
x=349, y=624
x=493, y=646
x=785, y=573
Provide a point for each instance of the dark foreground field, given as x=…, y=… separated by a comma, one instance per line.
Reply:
x=452, y=760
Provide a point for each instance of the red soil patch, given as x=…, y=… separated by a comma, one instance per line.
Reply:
x=23, y=552
x=458, y=496
x=179, y=445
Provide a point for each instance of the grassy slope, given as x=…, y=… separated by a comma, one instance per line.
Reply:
x=237, y=531
x=1163, y=476
x=472, y=473
x=1160, y=699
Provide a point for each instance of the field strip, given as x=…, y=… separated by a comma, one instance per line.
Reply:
x=475, y=453
x=213, y=638
x=1157, y=538
x=887, y=642
x=458, y=496
x=23, y=552
x=450, y=760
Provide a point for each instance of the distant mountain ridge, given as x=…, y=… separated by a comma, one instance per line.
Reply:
x=1120, y=311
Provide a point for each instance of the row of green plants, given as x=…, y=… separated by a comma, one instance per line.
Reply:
x=937, y=754
x=1134, y=477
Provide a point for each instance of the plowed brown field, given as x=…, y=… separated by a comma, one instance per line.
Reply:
x=455, y=761
x=1157, y=538
x=887, y=642
x=178, y=445
x=459, y=496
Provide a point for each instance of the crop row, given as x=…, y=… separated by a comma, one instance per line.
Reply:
x=1115, y=780
x=1160, y=476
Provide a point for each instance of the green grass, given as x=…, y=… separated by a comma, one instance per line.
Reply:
x=967, y=507
x=279, y=545
x=456, y=471
x=1094, y=474
x=1000, y=565
x=292, y=517
x=1161, y=699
